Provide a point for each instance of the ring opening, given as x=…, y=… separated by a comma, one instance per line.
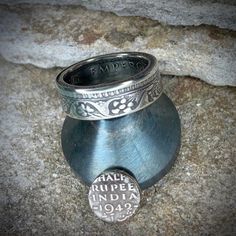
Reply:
x=106, y=70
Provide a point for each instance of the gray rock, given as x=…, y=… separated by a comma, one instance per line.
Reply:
x=59, y=36
x=39, y=194
x=174, y=12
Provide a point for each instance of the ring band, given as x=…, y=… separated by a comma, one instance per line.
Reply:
x=109, y=86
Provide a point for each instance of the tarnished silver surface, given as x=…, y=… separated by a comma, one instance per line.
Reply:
x=109, y=86
x=114, y=196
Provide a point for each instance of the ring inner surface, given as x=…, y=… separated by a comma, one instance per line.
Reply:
x=105, y=71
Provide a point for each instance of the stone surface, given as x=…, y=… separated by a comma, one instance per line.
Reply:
x=39, y=195
x=60, y=36
x=174, y=12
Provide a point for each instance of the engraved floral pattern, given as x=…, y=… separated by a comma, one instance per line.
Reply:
x=112, y=104
x=66, y=103
x=84, y=109
x=154, y=92
x=123, y=105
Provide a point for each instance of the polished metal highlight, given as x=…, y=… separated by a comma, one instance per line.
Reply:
x=109, y=86
x=114, y=196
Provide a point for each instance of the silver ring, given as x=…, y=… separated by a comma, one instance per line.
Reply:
x=109, y=86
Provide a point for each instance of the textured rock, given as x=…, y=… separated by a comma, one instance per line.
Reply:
x=174, y=12
x=39, y=195
x=60, y=36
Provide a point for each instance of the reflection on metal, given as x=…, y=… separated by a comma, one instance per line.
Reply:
x=146, y=143
x=120, y=125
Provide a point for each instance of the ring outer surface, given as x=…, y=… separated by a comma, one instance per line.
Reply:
x=111, y=99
